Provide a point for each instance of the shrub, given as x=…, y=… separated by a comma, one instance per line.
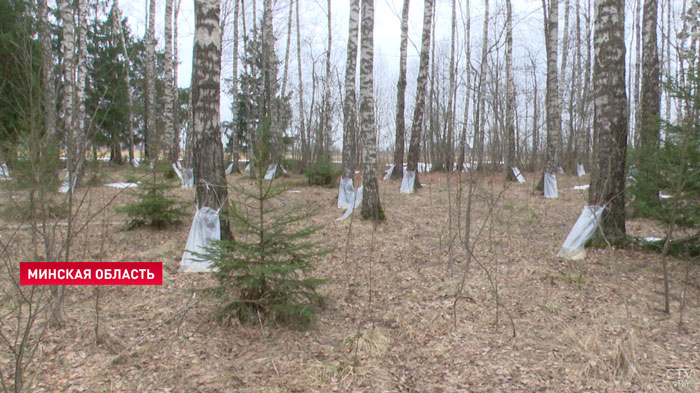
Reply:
x=322, y=174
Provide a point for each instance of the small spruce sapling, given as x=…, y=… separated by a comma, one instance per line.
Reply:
x=266, y=269
x=153, y=207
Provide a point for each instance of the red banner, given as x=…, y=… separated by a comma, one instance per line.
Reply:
x=91, y=273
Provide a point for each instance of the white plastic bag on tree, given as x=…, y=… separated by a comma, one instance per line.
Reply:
x=205, y=228
x=550, y=185
x=353, y=206
x=186, y=175
x=387, y=173
x=518, y=175
x=4, y=172
x=579, y=170
x=271, y=172
x=229, y=169
x=346, y=193
x=409, y=179
x=586, y=225
x=64, y=186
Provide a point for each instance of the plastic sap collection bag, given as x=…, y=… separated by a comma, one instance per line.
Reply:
x=186, y=175
x=550, y=185
x=4, y=172
x=64, y=186
x=584, y=228
x=205, y=228
x=409, y=180
x=346, y=193
x=387, y=173
x=518, y=175
x=229, y=169
x=579, y=170
x=358, y=200
x=273, y=170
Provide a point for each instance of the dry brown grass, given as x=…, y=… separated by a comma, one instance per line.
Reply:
x=572, y=330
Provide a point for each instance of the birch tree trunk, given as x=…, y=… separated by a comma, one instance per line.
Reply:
x=422, y=81
x=371, y=207
x=399, y=142
x=209, y=177
x=552, y=95
x=350, y=102
x=467, y=50
x=80, y=121
x=510, y=94
x=287, y=48
x=651, y=96
x=449, y=116
x=170, y=147
x=562, y=82
x=118, y=27
x=302, y=127
x=324, y=129
x=47, y=65
x=610, y=120
x=479, y=131
x=234, y=89
x=150, y=135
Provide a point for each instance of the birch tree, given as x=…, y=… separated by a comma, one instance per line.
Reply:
x=467, y=52
x=118, y=27
x=610, y=120
x=552, y=89
x=150, y=123
x=209, y=177
x=170, y=147
x=397, y=173
x=510, y=94
x=349, y=105
x=302, y=126
x=422, y=81
x=449, y=116
x=478, y=123
x=371, y=206
x=47, y=76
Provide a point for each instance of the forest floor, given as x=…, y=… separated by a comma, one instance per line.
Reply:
x=594, y=325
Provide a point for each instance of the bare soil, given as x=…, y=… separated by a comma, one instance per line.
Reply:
x=392, y=323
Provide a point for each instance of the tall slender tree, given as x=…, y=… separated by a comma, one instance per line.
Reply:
x=481, y=106
x=510, y=94
x=150, y=135
x=552, y=89
x=350, y=103
x=468, y=85
x=305, y=154
x=209, y=176
x=169, y=91
x=47, y=76
x=651, y=95
x=449, y=116
x=610, y=120
x=397, y=173
x=119, y=29
x=371, y=206
x=422, y=82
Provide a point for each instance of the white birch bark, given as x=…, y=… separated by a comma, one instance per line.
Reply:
x=170, y=147
x=371, y=206
x=350, y=102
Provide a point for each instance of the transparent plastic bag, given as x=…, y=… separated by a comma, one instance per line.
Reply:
x=205, y=228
